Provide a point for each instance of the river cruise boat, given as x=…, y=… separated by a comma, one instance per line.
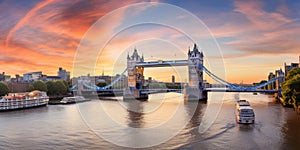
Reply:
x=73, y=99
x=14, y=101
x=244, y=112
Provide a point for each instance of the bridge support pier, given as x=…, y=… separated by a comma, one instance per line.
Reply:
x=194, y=94
x=134, y=95
x=194, y=90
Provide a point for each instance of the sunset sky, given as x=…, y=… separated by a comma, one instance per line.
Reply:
x=254, y=37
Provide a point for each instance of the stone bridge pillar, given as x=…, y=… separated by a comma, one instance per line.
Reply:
x=135, y=78
x=194, y=89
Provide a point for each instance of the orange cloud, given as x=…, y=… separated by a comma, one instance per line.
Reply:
x=19, y=59
x=48, y=35
x=154, y=43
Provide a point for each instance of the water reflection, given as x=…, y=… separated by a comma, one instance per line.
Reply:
x=291, y=131
x=135, y=113
x=195, y=109
x=63, y=127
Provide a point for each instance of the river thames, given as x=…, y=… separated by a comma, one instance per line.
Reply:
x=76, y=126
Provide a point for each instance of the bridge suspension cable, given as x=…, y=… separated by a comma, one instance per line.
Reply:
x=233, y=86
x=182, y=62
x=216, y=78
x=95, y=87
x=262, y=84
x=73, y=87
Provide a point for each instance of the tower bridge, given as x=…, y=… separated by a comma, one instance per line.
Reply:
x=136, y=65
x=194, y=90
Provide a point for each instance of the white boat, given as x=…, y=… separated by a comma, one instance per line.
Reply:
x=73, y=99
x=244, y=112
x=14, y=101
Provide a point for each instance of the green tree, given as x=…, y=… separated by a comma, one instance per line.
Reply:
x=51, y=88
x=173, y=86
x=39, y=85
x=3, y=89
x=66, y=85
x=291, y=87
x=60, y=88
x=157, y=86
x=293, y=72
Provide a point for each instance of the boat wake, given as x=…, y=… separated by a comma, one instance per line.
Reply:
x=221, y=131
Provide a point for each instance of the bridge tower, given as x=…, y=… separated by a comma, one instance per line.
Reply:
x=194, y=89
x=280, y=75
x=135, y=77
x=79, y=87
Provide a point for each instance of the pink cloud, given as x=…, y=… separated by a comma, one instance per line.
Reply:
x=253, y=11
x=25, y=19
x=255, y=31
x=50, y=32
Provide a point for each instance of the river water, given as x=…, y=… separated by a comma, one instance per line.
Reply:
x=165, y=121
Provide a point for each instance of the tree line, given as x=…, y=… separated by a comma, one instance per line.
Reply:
x=3, y=89
x=59, y=87
x=291, y=87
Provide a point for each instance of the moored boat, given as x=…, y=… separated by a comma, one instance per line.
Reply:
x=14, y=101
x=73, y=99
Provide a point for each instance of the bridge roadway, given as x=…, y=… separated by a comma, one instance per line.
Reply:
x=233, y=87
x=143, y=90
x=149, y=91
x=162, y=63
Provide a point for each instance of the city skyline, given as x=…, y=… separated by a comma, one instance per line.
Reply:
x=255, y=37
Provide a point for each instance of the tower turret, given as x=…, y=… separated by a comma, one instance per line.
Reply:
x=195, y=58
